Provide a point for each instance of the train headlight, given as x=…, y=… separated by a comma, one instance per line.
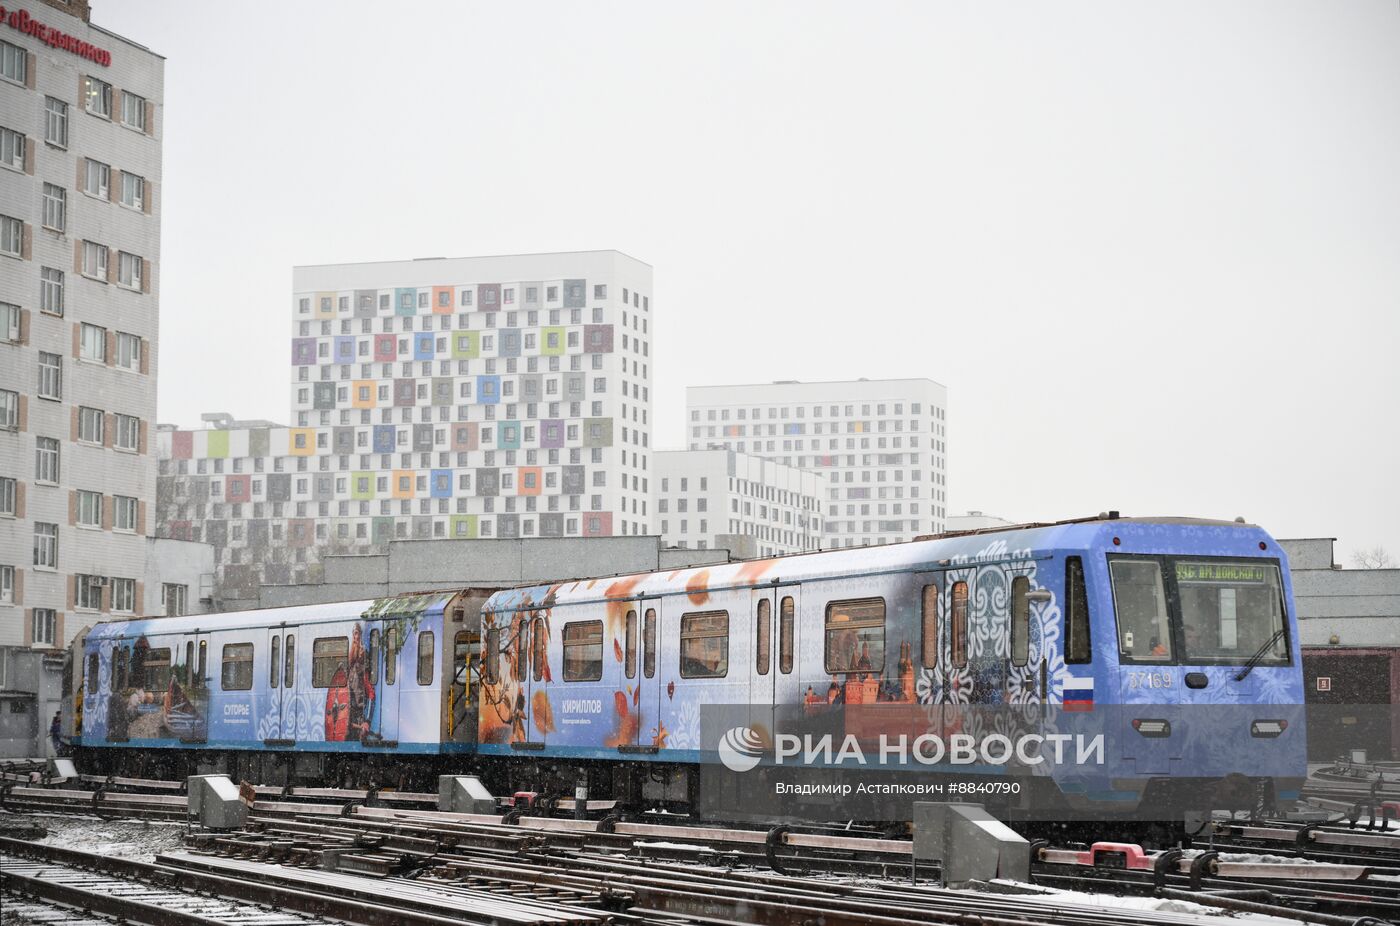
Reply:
x=1267, y=729
x=1153, y=728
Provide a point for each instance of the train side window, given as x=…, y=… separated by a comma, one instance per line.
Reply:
x=630, y=661
x=329, y=656
x=787, y=617
x=274, y=660
x=237, y=672
x=462, y=658
x=1140, y=602
x=427, y=646
x=92, y=673
x=649, y=643
x=583, y=651
x=189, y=662
x=289, y=662
x=959, y=624
x=763, y=631
x=156, y=666
x=929, y=620
x=855, y=635
x=391, y=654
x=705, y=644
x=492, y=668
x=203, y=677
x=119, y=656
x=1077, y=649
x=1020, y=621
x=539, y=648
x=372, y=657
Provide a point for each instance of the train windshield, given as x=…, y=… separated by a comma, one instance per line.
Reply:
x=1230, y=609
x=1220, y=611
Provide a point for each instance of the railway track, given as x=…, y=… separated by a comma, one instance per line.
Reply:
x=358, y=857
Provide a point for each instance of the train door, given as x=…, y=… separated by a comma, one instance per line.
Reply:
x=772, y=680
x=462, y=691
x=529, y=661
x=648, y=681
x=386, y=700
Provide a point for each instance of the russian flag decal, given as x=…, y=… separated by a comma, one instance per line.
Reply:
x=1078, y=694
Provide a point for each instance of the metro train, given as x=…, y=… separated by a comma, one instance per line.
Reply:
x=607, y=680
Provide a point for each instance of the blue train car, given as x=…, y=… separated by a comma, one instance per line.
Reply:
x=1176, y=638
x=1142, y=623
x=384, y=678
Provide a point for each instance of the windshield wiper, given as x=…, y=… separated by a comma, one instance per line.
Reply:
x=1258, y=655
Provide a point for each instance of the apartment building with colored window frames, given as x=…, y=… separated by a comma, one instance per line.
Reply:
x=505, y=397
x=80, y=214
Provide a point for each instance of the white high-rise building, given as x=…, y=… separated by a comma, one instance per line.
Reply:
x=881, y=445
x=718, y=499
x=81, y=124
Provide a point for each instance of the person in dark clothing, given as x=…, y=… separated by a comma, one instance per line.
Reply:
x=60, y=748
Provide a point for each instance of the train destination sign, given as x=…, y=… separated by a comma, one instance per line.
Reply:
x=1233, y=573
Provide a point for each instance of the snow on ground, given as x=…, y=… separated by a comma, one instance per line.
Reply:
x=1057, y=897
x=140, y=840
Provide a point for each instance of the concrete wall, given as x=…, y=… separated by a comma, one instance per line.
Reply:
x=179, y=562
x=414, y=565
x=33, y=680
x=1360, y=607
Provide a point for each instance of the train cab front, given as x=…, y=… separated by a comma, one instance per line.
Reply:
x=1208, y=685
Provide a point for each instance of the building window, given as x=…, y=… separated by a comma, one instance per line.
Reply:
x=50, y=375
x=11, y=236
x=46, y=460
x=56, y=122
x=87, y=592
x=55, y=207
x=14, y=63
x=11, y=148
x=124, y=595
x=97, y=97
x=9, y=322
x=8, y=493
x=133, y=110
x=91, y=425
x=175, y=598
x=7, y=584
x=133, y=190
x=95, y=257
x=46, y=545
x=237, y=671
x=129, y=270
x=128, y=436
x=97, y=179
x=51, y=291
x=89, y=509
x=9, y=409
x=124, y=513
x=45, y=626
x=92, y=343
x=128, y=351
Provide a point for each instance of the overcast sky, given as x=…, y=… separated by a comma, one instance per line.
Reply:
x=1152, y=250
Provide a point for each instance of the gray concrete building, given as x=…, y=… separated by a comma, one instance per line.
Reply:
x=1349, y=624
x=419, y=565
x=81, y=126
